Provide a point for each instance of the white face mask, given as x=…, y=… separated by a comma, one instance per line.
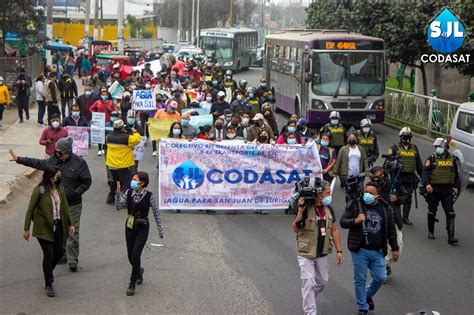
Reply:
x=147, y=86
x=1, y=82
x=239, y=97
x=55, y=124
x=366, y=129
x=245, y=121
x=208, y=98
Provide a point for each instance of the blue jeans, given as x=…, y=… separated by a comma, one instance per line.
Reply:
x=41, y=111
x=374, y=261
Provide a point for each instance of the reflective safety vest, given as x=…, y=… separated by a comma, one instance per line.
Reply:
x=307, y=238
x=443, y=170
x=255, y=102
x=408, y=158
x=337, y=135
x=228, y=84
x=368, y=143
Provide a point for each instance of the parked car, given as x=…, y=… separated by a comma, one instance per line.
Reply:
x=462, y=140
x=190, y=52
x=260, y=55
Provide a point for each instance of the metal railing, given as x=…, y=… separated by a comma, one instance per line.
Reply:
x=415, y=110
x=9, y=67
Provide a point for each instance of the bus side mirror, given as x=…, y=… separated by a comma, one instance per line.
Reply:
x=307, y=66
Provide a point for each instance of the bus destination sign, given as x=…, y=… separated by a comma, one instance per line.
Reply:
x=341, y=45
x=217, y=34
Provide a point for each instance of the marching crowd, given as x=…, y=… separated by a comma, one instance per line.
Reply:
x=240, y=112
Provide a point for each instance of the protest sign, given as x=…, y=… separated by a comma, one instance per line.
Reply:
x=228, y=95
x=232, y=175
x=200, y=111
x=98, y=128
x=139, y=150
x=159, y=127
x=201, y=120
x=80, y=140
x=143, y=100
x=116, y=90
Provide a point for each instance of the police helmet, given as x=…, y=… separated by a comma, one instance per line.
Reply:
x=243, y=83
x=405, y=131
x=251, y=89
x=440, y=142
x=228, y=72
x=365, y=123
x=334, y=114
x=218, y=65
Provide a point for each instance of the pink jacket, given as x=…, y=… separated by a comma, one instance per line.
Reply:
x=54, y=135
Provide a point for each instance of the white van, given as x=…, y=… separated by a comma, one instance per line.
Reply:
x=462, y=138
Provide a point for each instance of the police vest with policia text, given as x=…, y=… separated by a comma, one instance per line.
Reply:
x=307, y=238
x=443, y=170
x=255, y=102
x=337, y=135
x=408, y=158
x=368, y=143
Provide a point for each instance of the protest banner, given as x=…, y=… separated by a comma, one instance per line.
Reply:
x=232, y=175
x=80, y=140
x=143, y=100
x=159, y=127
x=98, y=128
x=228, y=95
x=200, y=111
x=139, y=150
x=201, y=120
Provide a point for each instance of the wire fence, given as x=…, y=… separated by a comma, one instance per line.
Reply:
x=415, y=110
x=9, y=67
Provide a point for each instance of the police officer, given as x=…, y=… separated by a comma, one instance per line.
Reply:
x=253, y=100
x=441, y=180
x=263, y=91
x=242, y=87
x=336, y=130
x=412, y=165
x=229, y=84
x=368, y=141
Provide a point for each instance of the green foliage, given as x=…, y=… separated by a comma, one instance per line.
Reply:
x=136, y=27
x=147, y=34
x=393, y=83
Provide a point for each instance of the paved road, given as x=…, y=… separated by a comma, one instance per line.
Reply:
x=242, y=263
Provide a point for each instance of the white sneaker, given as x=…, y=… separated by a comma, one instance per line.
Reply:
x=155, y=153
x=100, y=153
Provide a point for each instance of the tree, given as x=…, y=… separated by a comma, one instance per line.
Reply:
x=15, y=17
x=136, y=26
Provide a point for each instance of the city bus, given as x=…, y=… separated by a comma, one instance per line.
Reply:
x=233, y=48
x=313, y=72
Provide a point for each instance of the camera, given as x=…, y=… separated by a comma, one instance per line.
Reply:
x=303, y=189
x=352, y=185
x=392, y=163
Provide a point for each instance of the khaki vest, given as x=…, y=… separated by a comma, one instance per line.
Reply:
x=255, y=104
x=443, y=171
x=47, y=92
x=337, y=135
x=307, y=238
x=408, y=158
x=228, y=84
x=368, y=143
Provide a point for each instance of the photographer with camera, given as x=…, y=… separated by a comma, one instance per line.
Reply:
x=371, y=225
x=412, y=165
x=316, y=230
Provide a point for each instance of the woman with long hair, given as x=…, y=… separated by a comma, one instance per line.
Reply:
x=49, y=210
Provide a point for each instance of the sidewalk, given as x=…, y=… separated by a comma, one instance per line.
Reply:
x=23, y=139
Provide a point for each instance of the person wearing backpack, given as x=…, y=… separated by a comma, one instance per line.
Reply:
x=52, y=222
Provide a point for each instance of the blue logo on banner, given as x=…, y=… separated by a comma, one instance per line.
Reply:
x=188, y=176
x=446, y=32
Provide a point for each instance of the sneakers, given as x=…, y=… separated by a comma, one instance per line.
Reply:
x=371, y=304
x=431, y=235
x=389, y=270
x=140, y=277
x=155, y=153
x=131, y=289
x=72, y=268
x=49, y=290
x=62, y=261
x=100, y=153
x=452, y=240
x=407, y=221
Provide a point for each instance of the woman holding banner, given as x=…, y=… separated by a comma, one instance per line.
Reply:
x=166, y=114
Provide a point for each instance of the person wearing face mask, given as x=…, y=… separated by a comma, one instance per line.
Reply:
x=253, y=100
x=68, y=88
x=4, y=99
x=328, y=157
x=85, y=101
x=231, y=133
x=441, y=181
x=189, y=131
x=76, y=180
x=412, y=165
x=263, y=91
x=368, y=141
x=351, y=159
x=304, y=130
x=85, y=66
x=125, y=105
x=289, y=127
x=104, y=74
x=282, y=139
x=75, y=119
x=53, y=222
x=176, y=131
x=138, y=201
x=368, y=250
x=219, y=131
x=263, y=137
x=180, y=98
x=316, y=232
x=22, y=86
x=52, y=134
x=103, y=105
x=259, y=125
x=206, y=133
x=207, y=102
x=218, y=108
x=245, y=123
x=230, y=85
x=336, y=130
x=240, y=104
x=293, y=119
x=270, y=118
x=235, y=122
x=227, y=116
x=171, y=111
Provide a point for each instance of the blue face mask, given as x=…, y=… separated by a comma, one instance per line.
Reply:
x=131, y=121
x=440, y=150
x=185, y=122
x=134, y=184
x=324, y=143
x=170, y=110
x=176, y=132
x=104, y=97
x=326, y=200
x=113, y=119
x=291, y=129
x=250, y=95
x=334, y=121
x=368, y=198
x=75, y=115
x=291, y=141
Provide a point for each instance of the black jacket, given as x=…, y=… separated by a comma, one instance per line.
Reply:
x=76, y=177
x=356, y=234
x=69, y=121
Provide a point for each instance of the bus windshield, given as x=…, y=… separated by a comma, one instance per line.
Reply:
x=221, y=46
x=348, y=73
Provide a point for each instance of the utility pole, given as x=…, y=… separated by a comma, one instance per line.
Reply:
x=192, y=22
x=230, y=14
x=96, y=20
x=121, y=13
x=86, y=25
x=198, y=31
x=49, y=28
x=180, y=19
x=101, y=19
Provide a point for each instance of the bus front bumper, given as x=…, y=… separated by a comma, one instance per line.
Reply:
x=348, y=117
